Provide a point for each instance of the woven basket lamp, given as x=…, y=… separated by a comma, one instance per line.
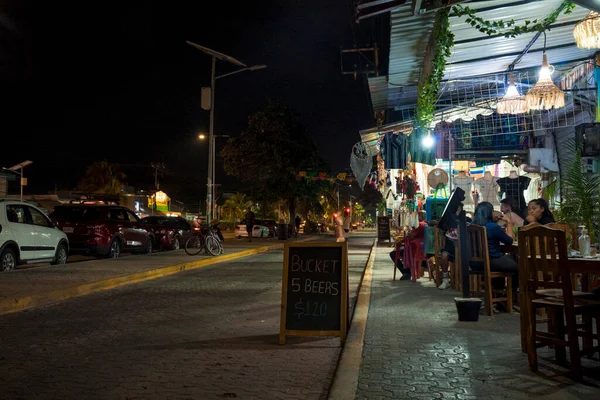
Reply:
x=587, y=31
x=512, y=102
x=545, y=95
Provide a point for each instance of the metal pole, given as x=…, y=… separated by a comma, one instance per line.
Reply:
x=449, y=162
x=21, y=183
x=211, y=138
x=214, y=167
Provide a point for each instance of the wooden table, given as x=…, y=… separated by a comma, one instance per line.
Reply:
x=577, y=265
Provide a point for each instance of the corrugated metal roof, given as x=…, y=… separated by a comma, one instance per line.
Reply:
x=408, y=40
x=378, y=86
x=371, y=136
x=385, y=96
x=476, y=53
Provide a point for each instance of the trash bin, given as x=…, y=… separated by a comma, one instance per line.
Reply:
x=282, y=231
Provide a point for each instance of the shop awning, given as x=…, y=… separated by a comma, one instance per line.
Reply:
x=476, y=73
x=475, y=54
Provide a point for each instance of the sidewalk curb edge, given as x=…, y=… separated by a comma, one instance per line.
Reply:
x=345, y=380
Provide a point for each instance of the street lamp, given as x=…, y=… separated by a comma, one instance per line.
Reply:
x=16, y=168
x=211, y=141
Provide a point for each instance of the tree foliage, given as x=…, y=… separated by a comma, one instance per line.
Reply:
x=235, y=208
x=269, y=155
x=370, y=197
x=102, y=177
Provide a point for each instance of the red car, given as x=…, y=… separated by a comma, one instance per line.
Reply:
x=102, y=229
x=170, y=233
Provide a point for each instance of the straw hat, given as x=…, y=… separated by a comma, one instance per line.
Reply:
x=436, y=177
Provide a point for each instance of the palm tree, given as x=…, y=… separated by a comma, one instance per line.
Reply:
x=102, y=177
x=329, y=199
x=580, y=199
x=235, y=208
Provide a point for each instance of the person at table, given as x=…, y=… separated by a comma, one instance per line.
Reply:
x=417, y=235
x=538, y=212
x=499, y=262
x=448, y=252
x=507, y=206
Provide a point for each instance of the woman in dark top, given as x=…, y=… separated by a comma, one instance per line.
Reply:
x=538, y=211
x=499, y=262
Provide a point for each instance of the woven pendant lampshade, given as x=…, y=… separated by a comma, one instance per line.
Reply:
x=512, y=102
x=587, y=31
x=545, y=95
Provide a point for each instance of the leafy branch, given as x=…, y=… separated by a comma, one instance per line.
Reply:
x=428, y=88
x=510, y=29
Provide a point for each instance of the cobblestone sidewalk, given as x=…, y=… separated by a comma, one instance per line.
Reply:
x=416, y=348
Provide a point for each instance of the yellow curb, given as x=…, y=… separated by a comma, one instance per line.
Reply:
x=8, y=306
x=345, y=381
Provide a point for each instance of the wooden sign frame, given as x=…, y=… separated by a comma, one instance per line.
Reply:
x=389, y=230
x=344, y=295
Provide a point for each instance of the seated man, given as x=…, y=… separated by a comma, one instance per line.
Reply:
x=416, y=235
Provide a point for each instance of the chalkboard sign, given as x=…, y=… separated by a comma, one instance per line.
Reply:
x=383, y=228
x=314, y=298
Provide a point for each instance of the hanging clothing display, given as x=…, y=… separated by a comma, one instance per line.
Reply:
x=393, y=150
x=417, y=152
x=514, y=188
x=466, y=184
x=546, y=159
x=488, y=191
x=409, y=187
x=361, y=162
x=381, y=173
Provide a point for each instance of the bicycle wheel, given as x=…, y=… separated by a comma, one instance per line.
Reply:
x=213, y=246
x=194, y=245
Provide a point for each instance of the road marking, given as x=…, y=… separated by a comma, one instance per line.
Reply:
x=345, y=381
x=9, y=305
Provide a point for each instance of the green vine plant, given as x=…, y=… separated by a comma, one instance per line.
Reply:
x=428, y=89
x=510, y=29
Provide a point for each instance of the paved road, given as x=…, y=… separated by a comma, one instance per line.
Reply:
x=204, y=334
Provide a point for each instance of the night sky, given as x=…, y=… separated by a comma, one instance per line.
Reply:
x=88, y=81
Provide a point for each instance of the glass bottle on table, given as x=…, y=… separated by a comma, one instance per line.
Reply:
x=584, y=242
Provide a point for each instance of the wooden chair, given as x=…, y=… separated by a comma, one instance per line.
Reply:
x=398, y=245
x=548, y=285
x=566, y=228
x=477, y=246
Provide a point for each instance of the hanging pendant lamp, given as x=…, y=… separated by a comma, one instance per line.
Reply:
x=512, y=102
x=545, y=95
x=587, y=31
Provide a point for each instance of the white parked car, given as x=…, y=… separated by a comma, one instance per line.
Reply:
x=27, y=236
x=257, y=231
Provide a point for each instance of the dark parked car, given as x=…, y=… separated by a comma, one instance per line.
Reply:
x=170, y=233
x=102, y=229
x=272, y=225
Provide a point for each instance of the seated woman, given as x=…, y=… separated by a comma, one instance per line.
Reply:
x=495, y=235
x=538, y=212
x=416, y=235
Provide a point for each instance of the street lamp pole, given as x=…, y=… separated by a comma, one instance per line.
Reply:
x=211, y=155
x=210, y=203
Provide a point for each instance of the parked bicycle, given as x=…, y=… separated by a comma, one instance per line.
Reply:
x=204, y=239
